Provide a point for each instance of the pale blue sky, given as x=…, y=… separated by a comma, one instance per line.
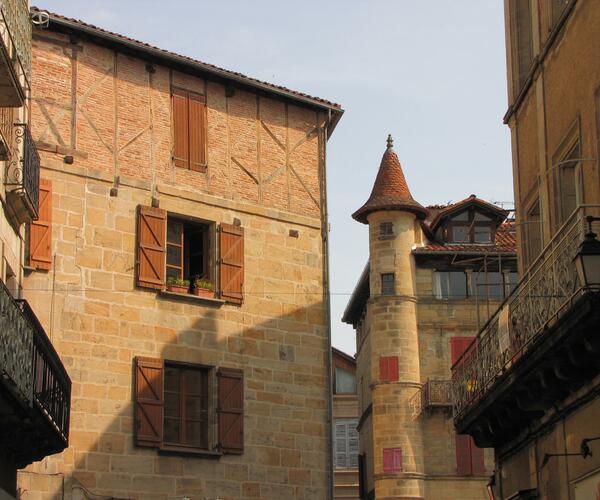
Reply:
x=430, y=72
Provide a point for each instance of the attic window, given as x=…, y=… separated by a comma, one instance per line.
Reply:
x=470, y=226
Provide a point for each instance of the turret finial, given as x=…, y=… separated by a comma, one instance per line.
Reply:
x=390, y=141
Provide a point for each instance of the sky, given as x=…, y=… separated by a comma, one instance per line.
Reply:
x=430, y=72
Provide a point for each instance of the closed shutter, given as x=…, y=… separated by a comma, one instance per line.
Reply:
x=40, y=230
x=181, y=131
x=352, y=443
x=152, y=224
x=388, y=368
x=149, y=402
x=231, y=244
x=341, y=445
x=197, y=127
x=477, y=459
x=458, y=345
x=392, y=460
x=463, y=455
x=230, y=410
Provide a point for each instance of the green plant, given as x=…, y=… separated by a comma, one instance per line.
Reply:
x=177, y=282
x=203, y=283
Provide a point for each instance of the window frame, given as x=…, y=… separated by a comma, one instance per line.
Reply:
x=470, y=223
x=348, y=424
x=386, y=230
x=388, y=292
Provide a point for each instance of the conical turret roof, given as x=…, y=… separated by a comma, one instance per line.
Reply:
x=390, y=191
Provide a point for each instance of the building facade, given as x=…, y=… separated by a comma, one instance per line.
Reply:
x=433, y=274
x=529, y=386
x=345, y=423
x=186, y=280
x=34, y=386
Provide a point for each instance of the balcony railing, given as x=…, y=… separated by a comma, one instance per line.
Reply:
x=14, y=18
x=23, y=175
x=433, y=394
x=29, y=364
x=543, y=295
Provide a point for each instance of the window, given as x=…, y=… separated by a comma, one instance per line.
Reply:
x=346, y=443
x=522, y=42
x=469, y=457
x=388, y=286
x=488, y=285
x=533, y=232
x=470, y=226
x=189, y=246
x=510, y=282
x=386, y=229
x=189, y=129
x=566, y=189
x=392, y=460
x=450, y=285
x=345, y=382
x=176, y=402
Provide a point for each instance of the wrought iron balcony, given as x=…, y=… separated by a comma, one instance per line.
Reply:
x=433, y=394
x=532, y=318
x=34, y=385
x=23, y=175
x=15, y=51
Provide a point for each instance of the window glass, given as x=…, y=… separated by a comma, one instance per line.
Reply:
x=483, y=234
x=450, y=285
x=460, y=234
x=510, y=282
x=345, y=382
x=488, y=285
x=387, y=284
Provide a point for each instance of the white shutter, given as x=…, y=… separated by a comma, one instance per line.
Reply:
x=352, y=443
x=340, y=444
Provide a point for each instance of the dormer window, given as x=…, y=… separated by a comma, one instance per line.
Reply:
x=470, y=226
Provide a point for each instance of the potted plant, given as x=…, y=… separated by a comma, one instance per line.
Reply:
x=177, y=285
x=203, y=288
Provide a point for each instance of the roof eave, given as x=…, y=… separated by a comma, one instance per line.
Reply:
x=357, y=301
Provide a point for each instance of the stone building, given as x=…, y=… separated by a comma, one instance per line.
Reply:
x=34, y=386
x=163, y=170
x=345, y=422
x=529, y=386
x=433, y=274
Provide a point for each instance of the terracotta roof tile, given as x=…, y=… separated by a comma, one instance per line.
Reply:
x=390, y=191
x=76, y=23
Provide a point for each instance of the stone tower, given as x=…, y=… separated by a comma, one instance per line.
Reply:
x=393, y=442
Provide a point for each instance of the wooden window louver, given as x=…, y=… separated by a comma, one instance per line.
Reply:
x=231, y=244
x=152, y=224
x=40, y=230
x=230, y=410
x=149, y=402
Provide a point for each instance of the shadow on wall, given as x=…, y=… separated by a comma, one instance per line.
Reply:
x=285, y=407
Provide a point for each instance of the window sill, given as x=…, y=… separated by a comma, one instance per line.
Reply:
x=185, y=451
x=189, y=297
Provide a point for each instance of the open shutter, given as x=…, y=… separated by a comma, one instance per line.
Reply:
x=181, y=131
x=149, y=402
x=152, y=226
x=230, y=410
x=463, y=455
x=341, y=445
x=197, y=131
x=40, y=230
x=231, y=244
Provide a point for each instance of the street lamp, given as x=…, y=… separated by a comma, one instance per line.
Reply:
x=587, y=259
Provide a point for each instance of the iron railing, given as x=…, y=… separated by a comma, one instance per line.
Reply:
x=29, y=365
x=24, y=168
x=433, y=394
x=51, y=383
x=14, y=17
x=542, y=296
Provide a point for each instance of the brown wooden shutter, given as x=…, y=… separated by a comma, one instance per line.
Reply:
x=231, y=244
x=477, y=459
x=152, y=226
x=230, y=410
x=181, y=131
x=463, y=455
x=40, y=230
x=197, y=129
x=149, y=401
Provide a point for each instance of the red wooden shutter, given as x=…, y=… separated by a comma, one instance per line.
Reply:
x=149, y=401
x=152, y=226
x=463, y=455
x=388, y=368
x=40, y=230
x=231, y=243
x=477, y=459
x=458, y=345
x=197, y=129
x=392, y=460
x=230, y=410
x=181, y=131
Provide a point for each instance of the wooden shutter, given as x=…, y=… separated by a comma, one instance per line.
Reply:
x=231, y=244
x=463, y=455
x=197, y=130
x=392, y=460
x=230, y=410
x=362, y=484
x=458, y=345
x=388, y=368
x=341, y=445
x=477, y=459
x=181, y=131
x=40, y=230
x=149, y=401
x=152, y=225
